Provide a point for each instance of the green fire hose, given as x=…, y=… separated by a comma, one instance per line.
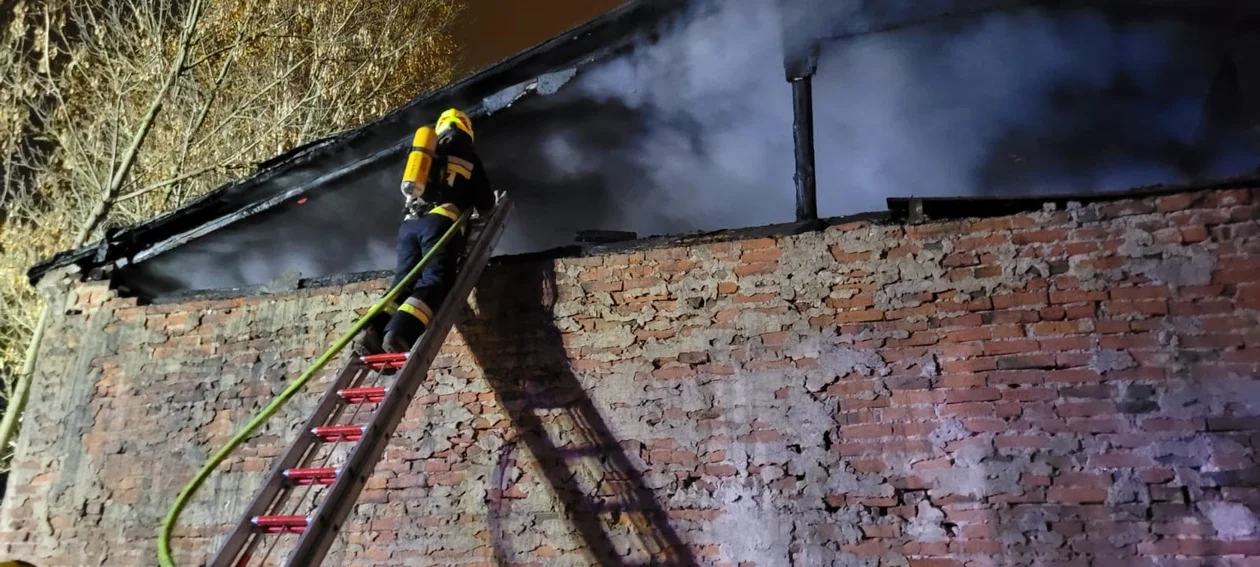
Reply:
x=168, y=524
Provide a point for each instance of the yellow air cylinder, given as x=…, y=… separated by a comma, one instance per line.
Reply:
x=420, y=161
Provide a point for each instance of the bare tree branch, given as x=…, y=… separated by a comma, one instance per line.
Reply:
x=146, y=124
x=154, y=102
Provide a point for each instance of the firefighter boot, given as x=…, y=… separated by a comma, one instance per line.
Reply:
x=403, y=332
x=371, y=341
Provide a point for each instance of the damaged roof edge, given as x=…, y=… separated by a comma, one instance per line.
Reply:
x=927, y=209
x=543, y=65
x=934, y=209
x=573, y=251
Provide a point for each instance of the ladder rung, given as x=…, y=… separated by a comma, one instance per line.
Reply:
x=359, y=395
x=303, y=477
x=340, y=432
x=281, y=524
x=385, y=361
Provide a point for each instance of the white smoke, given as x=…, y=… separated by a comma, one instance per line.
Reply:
x=717, y=151
x=692, y=130
x=1014, y=102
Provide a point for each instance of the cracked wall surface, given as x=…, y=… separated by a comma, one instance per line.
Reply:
x=1068, y=387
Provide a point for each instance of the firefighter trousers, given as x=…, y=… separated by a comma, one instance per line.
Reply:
x=403, y=323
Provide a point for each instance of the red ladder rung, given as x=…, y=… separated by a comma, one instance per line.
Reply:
x=281, y=524
x=357, y=395
x=385, y=361
x=304, y=477
x=340, y=432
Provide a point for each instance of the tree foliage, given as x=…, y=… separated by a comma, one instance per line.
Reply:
x=114, y=111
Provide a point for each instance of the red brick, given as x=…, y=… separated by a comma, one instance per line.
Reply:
x=881, y=531
x=1173, y=425
x=603, y=286
x=1156, y=475
x=969, y=409
x=1096, y=425
x=858, y=316
x=878, y=502
x=975, y=243
x=1062, y=328
x=962, y=380
x=972, y=395
x=1231, y=423
x=1077, y=375
x=865, y=431
x=870, y=548
x=917, y=397
x=1039, y=236
x=1010, y=347
x=1136, y=293
x=1177, y=202
x=1100, y=480
x=844, y=257
x=978, y=334
x=673, y=373
x=859, y=301
x=757, y=268
x=1010, y=300
x=960, y=259
x=934, y=562
x=1140, y=307
x=1074, y=495
x=1076, y=296
x=941, y=463
x=758, y=244
x=762, y=255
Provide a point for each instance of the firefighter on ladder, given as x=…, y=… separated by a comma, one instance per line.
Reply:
x=444, y=177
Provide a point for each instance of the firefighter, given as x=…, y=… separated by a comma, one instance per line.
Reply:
x=444, y=177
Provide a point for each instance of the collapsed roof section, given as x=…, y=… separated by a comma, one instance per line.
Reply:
x=290, y=214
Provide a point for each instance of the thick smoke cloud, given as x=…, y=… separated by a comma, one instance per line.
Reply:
x=1014, y=102
x=692, y=130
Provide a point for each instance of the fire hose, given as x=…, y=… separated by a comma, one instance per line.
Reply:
x=181, y=501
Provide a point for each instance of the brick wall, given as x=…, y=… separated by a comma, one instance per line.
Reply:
x=1068, y=387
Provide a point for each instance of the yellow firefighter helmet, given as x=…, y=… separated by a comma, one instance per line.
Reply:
x=456, y=118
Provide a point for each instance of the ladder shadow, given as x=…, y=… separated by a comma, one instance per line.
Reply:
x=519, y=348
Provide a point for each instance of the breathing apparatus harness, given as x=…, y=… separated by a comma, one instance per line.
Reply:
x=429, y=175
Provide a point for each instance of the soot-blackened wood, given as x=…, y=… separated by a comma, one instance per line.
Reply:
x=803, y=134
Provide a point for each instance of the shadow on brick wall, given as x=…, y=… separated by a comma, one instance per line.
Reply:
x=521, y=352
x=1151, y=461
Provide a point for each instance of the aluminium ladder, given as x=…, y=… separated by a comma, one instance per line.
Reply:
x=335, y=423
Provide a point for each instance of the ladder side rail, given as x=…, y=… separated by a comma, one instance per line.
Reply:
x=301, y=445
x=343, y=495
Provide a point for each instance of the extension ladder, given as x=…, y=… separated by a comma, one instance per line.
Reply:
x=336, y=422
